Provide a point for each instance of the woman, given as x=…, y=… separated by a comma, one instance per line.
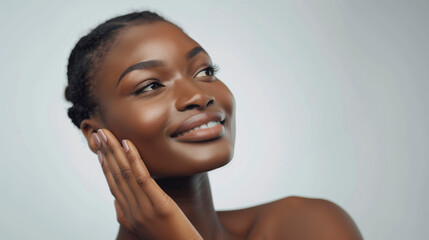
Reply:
x=146, y=98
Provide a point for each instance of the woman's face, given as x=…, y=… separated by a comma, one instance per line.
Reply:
x=178, y=86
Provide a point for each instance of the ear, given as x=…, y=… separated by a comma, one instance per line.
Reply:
x=88, y=127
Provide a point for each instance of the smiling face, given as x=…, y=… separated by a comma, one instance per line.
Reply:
x=165, y=78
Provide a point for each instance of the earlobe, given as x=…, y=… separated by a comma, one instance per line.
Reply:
x=88, y=127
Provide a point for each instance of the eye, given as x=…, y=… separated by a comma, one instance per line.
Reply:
x=209, y=71
x=149, y=87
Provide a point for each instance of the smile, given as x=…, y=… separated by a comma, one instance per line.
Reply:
x=204, y=132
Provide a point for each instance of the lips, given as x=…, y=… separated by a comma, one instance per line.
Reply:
x=197, y=120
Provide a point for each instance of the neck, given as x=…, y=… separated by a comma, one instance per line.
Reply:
x=193, y=195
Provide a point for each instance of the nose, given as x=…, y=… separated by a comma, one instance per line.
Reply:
x=190, y=95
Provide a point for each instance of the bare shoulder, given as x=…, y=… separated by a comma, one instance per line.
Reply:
x=292, y=218
x=240, y=222
x=308, y=218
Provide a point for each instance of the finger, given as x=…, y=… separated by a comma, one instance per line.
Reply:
x=156, y=195
x=112, y=185
x=122, y=172
x=111, y=156
x=121, y=217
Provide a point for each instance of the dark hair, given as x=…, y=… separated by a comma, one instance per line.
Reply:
x=87, y=52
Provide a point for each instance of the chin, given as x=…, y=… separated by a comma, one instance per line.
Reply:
x=200, y=159
x=211, y=163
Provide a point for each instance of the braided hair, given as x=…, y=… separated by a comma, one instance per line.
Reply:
x=85, y=58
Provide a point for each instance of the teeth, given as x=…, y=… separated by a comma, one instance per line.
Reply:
x=205, y=125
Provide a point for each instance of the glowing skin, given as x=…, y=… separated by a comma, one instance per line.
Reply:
x=148, y=119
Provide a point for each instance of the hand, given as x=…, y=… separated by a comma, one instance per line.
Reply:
x=149, y=212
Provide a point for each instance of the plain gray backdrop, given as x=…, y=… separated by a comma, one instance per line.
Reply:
x=331, y=101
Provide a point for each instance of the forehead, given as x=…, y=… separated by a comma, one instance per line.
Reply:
x=159, y=40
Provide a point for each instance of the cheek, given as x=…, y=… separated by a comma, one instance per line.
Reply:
x=225, y=98
x=149, y=122
x=141, y=122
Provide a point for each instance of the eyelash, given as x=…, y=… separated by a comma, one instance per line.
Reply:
x=213, y=68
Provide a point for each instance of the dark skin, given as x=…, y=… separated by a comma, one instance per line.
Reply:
x=160, y=184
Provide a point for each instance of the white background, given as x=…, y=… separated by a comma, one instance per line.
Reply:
x=332, y=102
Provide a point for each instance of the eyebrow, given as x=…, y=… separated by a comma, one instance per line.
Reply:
x=157, y=63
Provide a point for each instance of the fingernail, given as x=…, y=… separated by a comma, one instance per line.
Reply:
x=125, y=145
x=96, y=139
x=103, y=137
x=100, y=157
